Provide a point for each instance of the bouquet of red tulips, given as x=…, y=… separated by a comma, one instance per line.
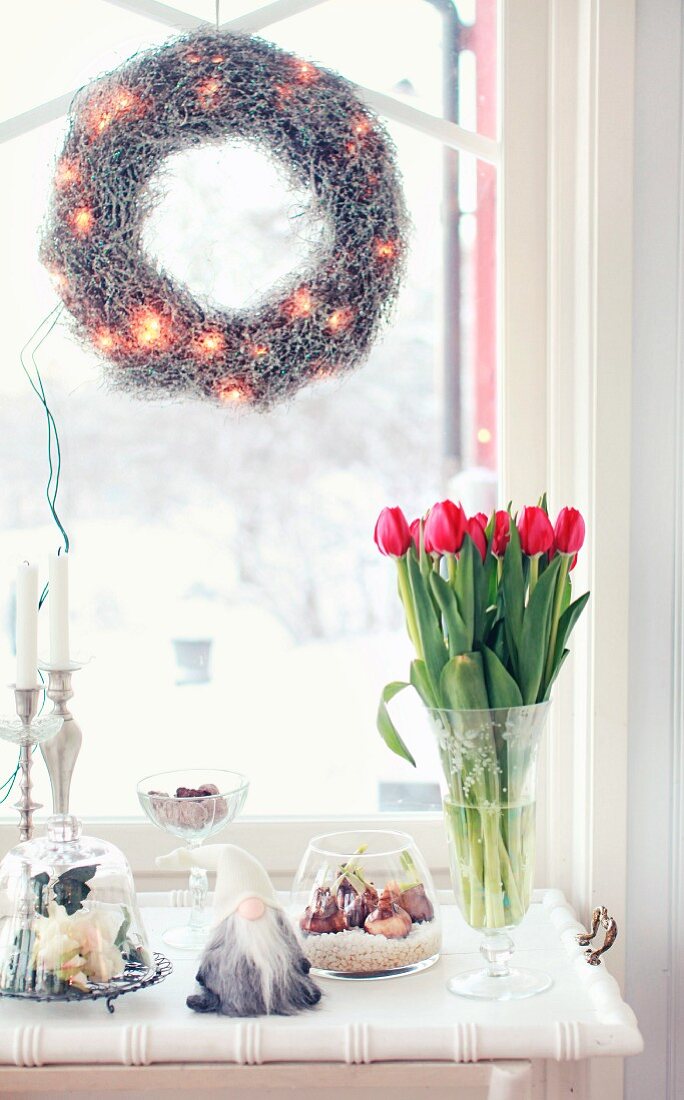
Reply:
x=489, y=610
x=488, y=605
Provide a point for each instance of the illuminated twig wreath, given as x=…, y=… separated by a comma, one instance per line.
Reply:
x=209, y=87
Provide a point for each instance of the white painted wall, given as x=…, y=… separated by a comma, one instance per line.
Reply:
x=654, y=913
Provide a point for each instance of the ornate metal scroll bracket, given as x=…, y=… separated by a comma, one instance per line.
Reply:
x=600, y=918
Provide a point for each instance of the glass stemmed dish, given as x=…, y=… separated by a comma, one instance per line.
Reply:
x=193, y=818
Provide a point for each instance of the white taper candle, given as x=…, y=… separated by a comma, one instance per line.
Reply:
x=58, y=604
x=27, y=625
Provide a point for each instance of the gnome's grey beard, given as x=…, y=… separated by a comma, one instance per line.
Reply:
x=254, y=968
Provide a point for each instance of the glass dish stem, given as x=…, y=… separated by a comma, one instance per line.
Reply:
x=193, y=935
x=199, y=888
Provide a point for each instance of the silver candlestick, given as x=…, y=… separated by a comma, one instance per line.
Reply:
x=60, y=753
x=27, y=730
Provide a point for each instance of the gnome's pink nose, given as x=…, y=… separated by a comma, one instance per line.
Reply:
x=251, y=908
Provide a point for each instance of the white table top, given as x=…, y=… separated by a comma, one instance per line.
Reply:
x=411, y=1018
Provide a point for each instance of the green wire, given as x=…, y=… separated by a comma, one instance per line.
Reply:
x=32, y=345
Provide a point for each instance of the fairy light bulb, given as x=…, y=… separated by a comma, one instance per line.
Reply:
x=211, y=343
x=117, y=105
x=105, y=339
x=148, y=328
x=361, y=126
x=385, y=250
x=67, y=173
x=258, y=351
x=193, y=58
x=300, y=304
x=339, y=320
x=306, y=73
x=230, y=392
x=208, y=90
x=82, y=220
x=217, y=58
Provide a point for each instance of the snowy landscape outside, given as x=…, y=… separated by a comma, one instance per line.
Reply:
x=244, y=536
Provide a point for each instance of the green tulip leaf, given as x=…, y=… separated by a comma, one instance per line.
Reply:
x=457, y=634
x=463, y=683
x=490, y=620
x=386, y=727
x=563, y=657
x=480, y=600
x=496, y=641
x=429, y=627
x=501, y=687
x=420, y=681
x=464, y=587
x=513, y=593
x=566, y=623
x=534, y=637
x=491, y=579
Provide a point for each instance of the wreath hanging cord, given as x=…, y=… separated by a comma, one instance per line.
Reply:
x=155, y=337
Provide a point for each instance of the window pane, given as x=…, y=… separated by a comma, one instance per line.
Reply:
x=436, y=55
x=75, y=41
x=248, y=538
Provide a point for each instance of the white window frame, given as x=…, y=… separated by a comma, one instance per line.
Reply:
x=565, y=212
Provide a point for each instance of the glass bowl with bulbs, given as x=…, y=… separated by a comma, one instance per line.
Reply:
x=364, y=906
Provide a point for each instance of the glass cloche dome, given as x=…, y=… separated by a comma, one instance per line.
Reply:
x=69, y=919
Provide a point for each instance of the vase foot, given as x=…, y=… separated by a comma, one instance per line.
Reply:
x=513, y=986
x=186, y=937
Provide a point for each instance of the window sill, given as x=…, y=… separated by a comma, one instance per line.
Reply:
x=278, y=843
x=411, y=1020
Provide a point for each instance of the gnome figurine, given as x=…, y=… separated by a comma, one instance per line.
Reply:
x=252, y=964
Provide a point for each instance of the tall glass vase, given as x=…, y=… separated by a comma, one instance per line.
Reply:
x=489, y=759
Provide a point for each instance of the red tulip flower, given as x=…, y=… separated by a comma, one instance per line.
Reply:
x=392, y=535
x=476, y=532
x=482, y=519
x=445, y=528
x=569, y=531
x=502, y=533
x=536, y=532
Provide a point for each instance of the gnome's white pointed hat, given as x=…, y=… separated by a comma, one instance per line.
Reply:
x=239, y=876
